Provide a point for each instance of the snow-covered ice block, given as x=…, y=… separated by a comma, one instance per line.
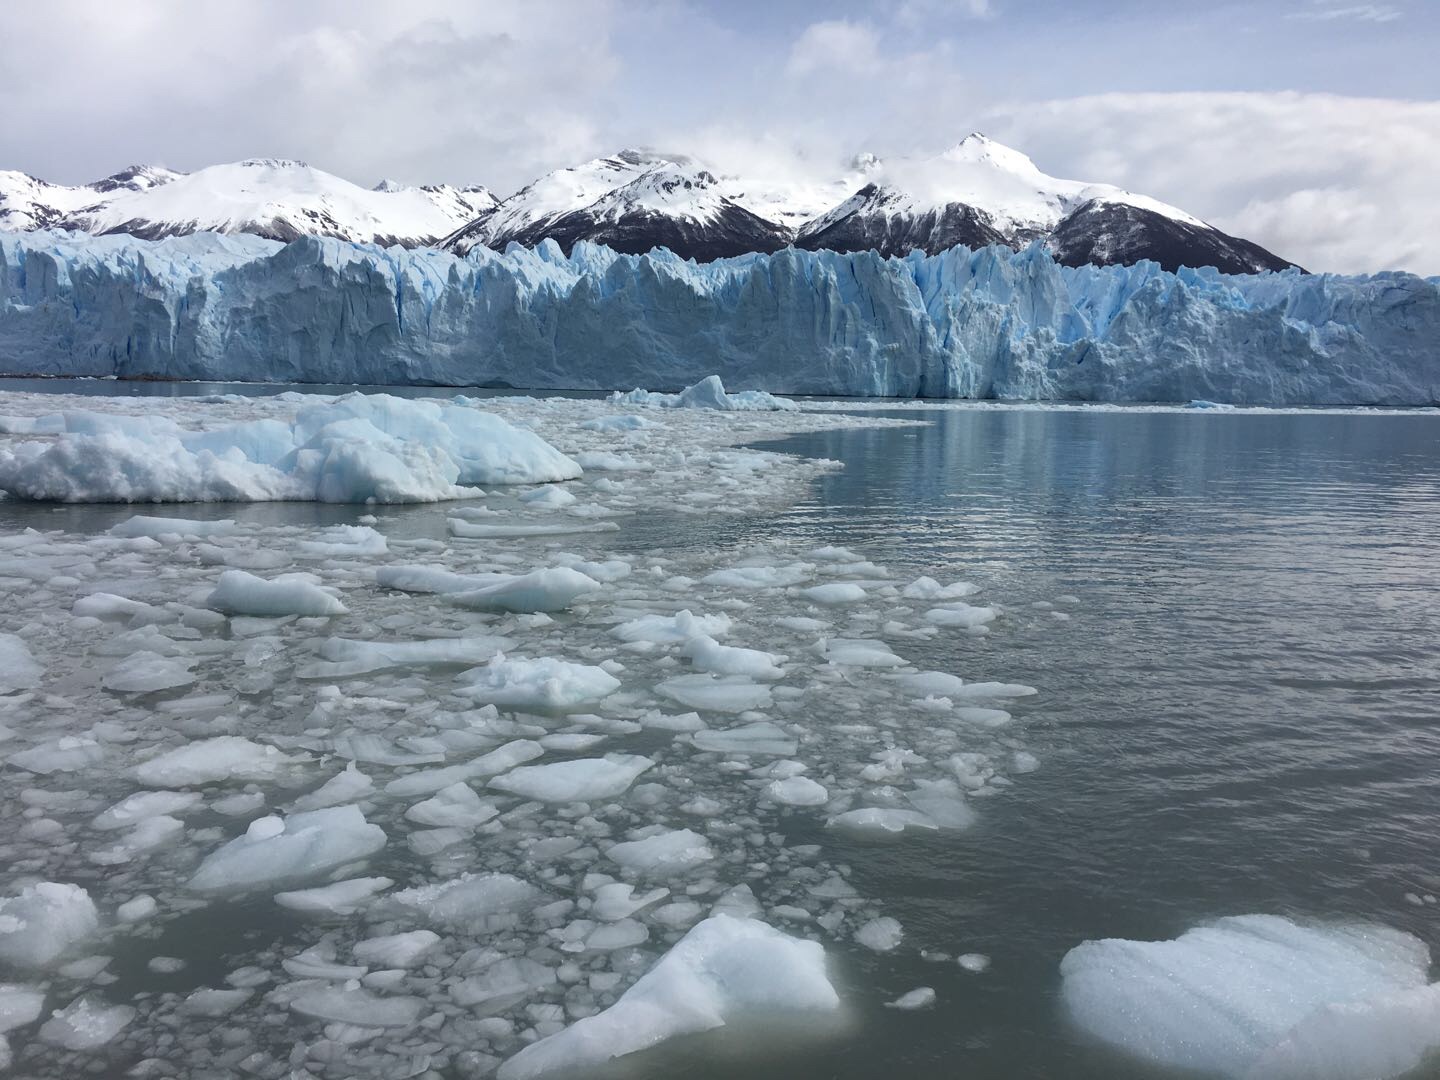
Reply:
x=797, y=791
x=553, y=589
x=339, y=898
x=722, y=970
x=241, y=593
x=1261, y=997
x=396, y=950
x=732, y=694
x=672, y=629
x=662, y=854
x=577, y=780
x=85, y=1024
x=19, y=1005
x=760, y=737
x=301, y=846
x=43, y=922
x=546, y=683
x=225, y=757
x=146, y=672
x=19, y=669
x=467, y=901
x=359, y=448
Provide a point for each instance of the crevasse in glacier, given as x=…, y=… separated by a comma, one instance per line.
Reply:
x=989, y=323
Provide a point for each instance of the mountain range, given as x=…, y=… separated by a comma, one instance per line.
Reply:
x=978, y=192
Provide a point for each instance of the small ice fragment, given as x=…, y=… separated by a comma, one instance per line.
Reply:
x=922, y=997
x=881, y=935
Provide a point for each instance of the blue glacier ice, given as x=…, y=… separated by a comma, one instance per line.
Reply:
x=989, y=323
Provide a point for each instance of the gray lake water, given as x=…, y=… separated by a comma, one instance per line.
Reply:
x=1241, y=716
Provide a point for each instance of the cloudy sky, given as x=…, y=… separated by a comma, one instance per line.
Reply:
x=1311, y=126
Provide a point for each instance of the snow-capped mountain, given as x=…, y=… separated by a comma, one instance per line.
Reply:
x=981, y=192
x=29, y=203
x=284, y=200
x=677, y=205
x=976, y=193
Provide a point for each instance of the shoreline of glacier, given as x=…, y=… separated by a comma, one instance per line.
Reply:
x=990, y=324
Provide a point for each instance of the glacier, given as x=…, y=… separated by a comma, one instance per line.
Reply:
x=985, y=323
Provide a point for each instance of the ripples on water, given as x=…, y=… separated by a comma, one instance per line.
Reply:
x=1241, y=717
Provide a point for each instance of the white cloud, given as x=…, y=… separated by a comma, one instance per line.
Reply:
x=1331, y=11
x=835, y=44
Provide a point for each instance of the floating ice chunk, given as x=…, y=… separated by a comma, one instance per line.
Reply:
x=859, y=652
x=961, y=615
x=341, y=898
x=932, y=684
x=546, y=683
x=156, y=527
x=943, y=803
x=346, y=786
x=554, y=589
x=922, y=997
x=1022, y=761
x=345, y=658
x=509, y=978
x=625, y=422
x=663, y=854
x=974, y=962
x=1257, y=996
x=708, y=393
x=396, y=950
x=547, y=498
x=707, y=654
x=761, y=737
x=146, y=673
x=927, y=588
x=617, y=900
x=834, y=593
x=684, y=722
x=69, y=753
x=875, y=821
x=455, y=806
x=722, y=968
x=986, y=690
x=44, y=922
x=577, y=780
x=103, y=605
x=881, y=935
x=241, y=593
x=501, y=759
x=85, y=1024
x=147, y=835
x=359, y=448
x=300, y=846
x=472, y=531
x=342, y=541
x=213, y=1004
x=19, y=670
x=137, y=909
x=759, y=577
x=797, y=791
x=19, y=1005
x=672, y=629
x=358, y=1006
x=467, y=901
x=225, y=757
x=704, y=691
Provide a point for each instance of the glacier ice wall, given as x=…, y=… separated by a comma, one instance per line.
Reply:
x=989, y=323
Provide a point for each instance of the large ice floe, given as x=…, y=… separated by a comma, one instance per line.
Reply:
x=360, y=448
x=988, y=323
x=344, y=791
x=1259, y=997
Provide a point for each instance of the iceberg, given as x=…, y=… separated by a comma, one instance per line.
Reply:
x=984, y=323
x=1259, y=996
x=722, y=969
x=360, y=448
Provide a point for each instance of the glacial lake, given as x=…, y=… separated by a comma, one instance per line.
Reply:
x=1241, y=713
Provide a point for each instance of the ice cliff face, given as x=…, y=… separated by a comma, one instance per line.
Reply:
x=987, y=323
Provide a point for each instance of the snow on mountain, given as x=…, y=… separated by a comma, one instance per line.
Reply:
x=282, y=200
x=976, y=193
x=988, y=323
x=982, y=192
x=675, y=205
x=29, y=203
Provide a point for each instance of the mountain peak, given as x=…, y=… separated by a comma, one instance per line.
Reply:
x=979, y=149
